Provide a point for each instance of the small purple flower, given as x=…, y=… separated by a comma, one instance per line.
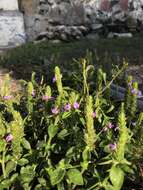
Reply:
x=9, y=138
x=139, y=93
x=134, y=91
x=67, y=107
x=33, y=93
x=55, y=111
x=46, y=98
x=112, y=146
x=8, y=97
x=54, y=79
x=110, y=125
x=130, y=84
x=93, y=114
x=76, y=105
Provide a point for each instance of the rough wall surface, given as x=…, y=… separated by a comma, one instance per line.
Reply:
x=73, y=19
x=68, y=19
x=12, y=31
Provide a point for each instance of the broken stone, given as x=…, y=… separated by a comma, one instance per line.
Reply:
x=120, y=35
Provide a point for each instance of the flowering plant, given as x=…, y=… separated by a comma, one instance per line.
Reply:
x=58, y=138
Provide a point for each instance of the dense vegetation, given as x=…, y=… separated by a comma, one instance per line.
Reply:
x=42, y=57
x=57, y=137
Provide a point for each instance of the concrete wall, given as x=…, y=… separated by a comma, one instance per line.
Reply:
x=12, y=31
x=9, y=4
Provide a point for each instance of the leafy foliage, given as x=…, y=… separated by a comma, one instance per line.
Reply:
x=53, y=137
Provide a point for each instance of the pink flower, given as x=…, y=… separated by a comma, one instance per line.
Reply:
x=67, y=107
x=93, y=114
x=112, y=146
x=76, y=105
x=9, y=138
x=54, y=79
x=55, y=111
x=134, y=91
x=110, y=126
x=46, y=98
x=8, y=97
x=33, y=93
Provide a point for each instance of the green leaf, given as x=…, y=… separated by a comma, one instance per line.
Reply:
x=10, y=166
x=27, y=173
x=128, y=169
x=75, y=177
x=42, y=181
x=26, y=144
x=116, y=177
x=22, y=161
x=62, y=134
x=86, y=154
x=104, y=77
x=110, y=109
x=60, y=186
x=70, y=152
x=82, y=120
x=52, y=130
x=66, y=115
x=109, y=187
x=5, y=184
x=56, y=176
x=2, y=144
x=38, y=187
x=13, y=177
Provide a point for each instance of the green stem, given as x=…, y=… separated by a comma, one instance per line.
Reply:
x=48, y=152
x=3, y=162
x=97, y=185
x=109, y=84
x=69, y=186
x=85, y=85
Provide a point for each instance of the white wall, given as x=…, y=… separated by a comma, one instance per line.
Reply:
x=9, y=4
x=12, y=31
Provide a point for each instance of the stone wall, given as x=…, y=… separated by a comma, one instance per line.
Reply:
x=67, y=19
x=74, y=19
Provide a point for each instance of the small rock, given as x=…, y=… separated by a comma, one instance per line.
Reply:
x=120, y=35
x=95, y=27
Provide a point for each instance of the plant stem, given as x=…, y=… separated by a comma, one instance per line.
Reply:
x=109, y=84
x=3, y=162
x=48, y=153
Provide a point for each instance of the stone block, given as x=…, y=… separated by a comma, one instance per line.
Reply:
x=12, y=31
x=9, y=5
